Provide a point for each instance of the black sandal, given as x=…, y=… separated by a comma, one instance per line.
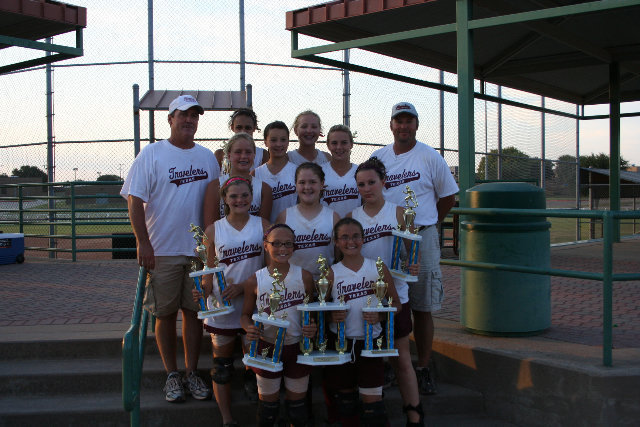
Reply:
x=418, y=410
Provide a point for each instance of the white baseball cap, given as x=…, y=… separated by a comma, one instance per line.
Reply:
x=183, y=103
x=403, y=107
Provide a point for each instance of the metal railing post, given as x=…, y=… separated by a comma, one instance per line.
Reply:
x=20, y=209
x=607, y=287
x=72, y=193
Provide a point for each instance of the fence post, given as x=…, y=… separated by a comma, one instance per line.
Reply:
x=73, y=222
x=20, y=209
x=607, y=291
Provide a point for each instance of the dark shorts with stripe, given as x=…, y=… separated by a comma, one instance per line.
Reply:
x=289, y=357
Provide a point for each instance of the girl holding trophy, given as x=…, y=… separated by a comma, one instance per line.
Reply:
x=276, y=290
x=311, y=221
x=379, y=218
x=354, y=281
x=240, y=151
x=236, y=242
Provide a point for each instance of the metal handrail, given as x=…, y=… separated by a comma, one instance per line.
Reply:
x=606, y=277
x=133, y=344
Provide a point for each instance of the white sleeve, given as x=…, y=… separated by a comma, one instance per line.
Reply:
x=444, y=184
x=139, y=180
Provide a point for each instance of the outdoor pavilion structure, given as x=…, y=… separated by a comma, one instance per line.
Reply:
x=582, y=52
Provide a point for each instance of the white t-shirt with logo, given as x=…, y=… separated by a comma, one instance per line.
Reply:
x=240, y=251
x=171, y=182
x=378, y=240
x=340, y=192
x=313, y=238
x=425, y=171
x=283, y=187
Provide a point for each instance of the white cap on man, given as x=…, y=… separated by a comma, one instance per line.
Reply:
x=403, y=107
x=183, y=103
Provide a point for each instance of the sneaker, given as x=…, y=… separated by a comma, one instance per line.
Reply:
x=426, y=384
x=389, y=375
x=194, y=386
x=173, y=388
x=250, y=385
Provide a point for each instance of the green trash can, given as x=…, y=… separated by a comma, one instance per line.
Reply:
x=504, y=303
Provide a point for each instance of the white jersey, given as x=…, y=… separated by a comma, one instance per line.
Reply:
x=357, y=287
x=425, y=171
x=313, y=238
x=171, y=182
x=240, y=251
x=256, y=201
x=340, y=192
x=297, y=159
x=283, y=187
x=257, y=160
x=292, y=295
x=378, y=240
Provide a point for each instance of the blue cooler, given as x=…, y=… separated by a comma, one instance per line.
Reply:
x=11, y=248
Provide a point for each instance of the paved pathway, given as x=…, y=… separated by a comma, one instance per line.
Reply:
x=48, y=292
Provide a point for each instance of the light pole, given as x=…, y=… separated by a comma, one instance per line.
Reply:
x=75, y=174
x=98, y=172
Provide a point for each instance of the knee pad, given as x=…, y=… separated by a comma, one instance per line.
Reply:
x=347, y=403
x=374, y=414
x=297, y=412
x=267, y=413
x=222, y=369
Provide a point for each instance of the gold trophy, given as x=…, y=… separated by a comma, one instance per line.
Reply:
x=212, y=307
x=323, y=356
x=274, y=364
x=380, y=289
x=398, y=268
x=306, y=345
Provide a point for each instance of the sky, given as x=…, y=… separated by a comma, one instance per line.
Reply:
x=95, y=102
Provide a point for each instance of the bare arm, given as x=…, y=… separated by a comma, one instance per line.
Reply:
x=444, y=205
x=146, y=256
x=266, y=201
x=250, y=291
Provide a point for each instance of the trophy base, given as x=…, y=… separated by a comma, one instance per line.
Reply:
x=327, y=306
x=406, y=235
x=280, y=323
x=206, y=270
x=385, y=352
x=330, y=357
x=221, y=311
x=382, y=309
x=403, y=276
x=260, y=363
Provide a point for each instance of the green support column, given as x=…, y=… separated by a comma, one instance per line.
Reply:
x=466, y=142
x=614, y=144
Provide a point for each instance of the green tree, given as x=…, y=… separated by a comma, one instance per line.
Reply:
x=565, y=170
x=27, y=171
x=108, y=178
x=515, y=165
x=600, y=161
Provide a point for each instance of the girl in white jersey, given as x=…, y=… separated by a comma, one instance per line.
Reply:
x=244, y=120
x=340, y=191
x=378, y=218
x=240, y=151
x=312, y=222
x=308, y=129
x=278, y=172
x=353, y=279
x=279, y=245
x=236, y=241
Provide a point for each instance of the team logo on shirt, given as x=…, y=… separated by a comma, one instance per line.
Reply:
x=179, y=177
x=393, y=180
x=238, y=253
x=288, y=299
x=376, y=232
x=280, y=190
x=339, y=194
x=355, y=290
x=312, y=240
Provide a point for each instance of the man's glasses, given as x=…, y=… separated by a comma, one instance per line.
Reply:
x=279, y=244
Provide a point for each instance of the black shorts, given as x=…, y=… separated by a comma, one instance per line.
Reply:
x=289, y=357
x=365, y=372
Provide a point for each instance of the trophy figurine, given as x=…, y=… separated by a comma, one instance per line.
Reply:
x=322, y=356
x=398, y=268
x=380, y=290
x=274, y=364
x=212, y=307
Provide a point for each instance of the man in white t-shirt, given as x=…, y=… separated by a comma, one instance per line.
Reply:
x=165, y=190
x=413, y=163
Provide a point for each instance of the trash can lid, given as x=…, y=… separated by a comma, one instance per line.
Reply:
x=506, y=195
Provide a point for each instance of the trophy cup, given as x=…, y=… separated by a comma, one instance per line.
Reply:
x=272, y=364
x=211, y=307
x=397, y=268
x=380, y=290
x=322, y=356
